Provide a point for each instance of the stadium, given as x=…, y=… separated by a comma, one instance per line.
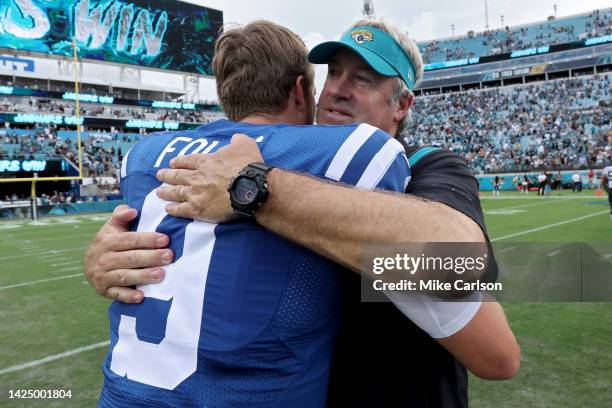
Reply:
x=527, y=106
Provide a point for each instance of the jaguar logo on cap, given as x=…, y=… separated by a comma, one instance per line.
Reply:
x=361, y=36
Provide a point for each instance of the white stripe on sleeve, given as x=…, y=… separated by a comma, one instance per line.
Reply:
x=347, y=151
x=380, y=164
x=124, y=164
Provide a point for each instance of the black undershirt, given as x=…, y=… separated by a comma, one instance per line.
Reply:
x=381, y=358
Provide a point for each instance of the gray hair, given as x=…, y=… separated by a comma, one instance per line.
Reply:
x=400, y=90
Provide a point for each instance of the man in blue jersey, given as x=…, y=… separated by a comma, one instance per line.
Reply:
x=244, y=318
x=441, y=205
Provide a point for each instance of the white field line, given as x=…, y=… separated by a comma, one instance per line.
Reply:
x=73, y=236
x=72, y=268
x=9, y=226
x=48, y=257
x=55, y=220
x=556, y=224
x=43, y=254
x=45, y=223
x=53, y=357
x=18, y=285
x=28, y=253
x=40, y=252
x=607, y=256
x=512, y=248
x=67, y=220
x=536, y=197
x=545, y=201
x=553, y=253
x=66, y=263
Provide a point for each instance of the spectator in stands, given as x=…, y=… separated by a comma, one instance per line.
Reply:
x=553, y=125
x=510, y=39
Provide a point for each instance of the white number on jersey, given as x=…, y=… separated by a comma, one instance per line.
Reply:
x=174, y=359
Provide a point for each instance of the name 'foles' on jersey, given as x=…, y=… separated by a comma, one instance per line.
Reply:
x=243, y=317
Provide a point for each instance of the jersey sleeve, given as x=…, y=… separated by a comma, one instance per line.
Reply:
x=137, y=174
x=370, y=158
x=123, y=174
x=391, y=172
x=359, y=155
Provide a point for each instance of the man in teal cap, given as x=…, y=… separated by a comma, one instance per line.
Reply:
x=372, y=71
x=382, y=359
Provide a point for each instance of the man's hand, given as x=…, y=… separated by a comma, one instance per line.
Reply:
x=198, y=182
x=117, y=259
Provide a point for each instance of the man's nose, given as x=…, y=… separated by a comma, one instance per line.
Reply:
x=341, y=88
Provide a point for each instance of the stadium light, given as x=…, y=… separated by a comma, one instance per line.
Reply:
x=368, y=10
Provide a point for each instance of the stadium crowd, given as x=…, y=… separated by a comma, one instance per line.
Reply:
x=42, y=142
x=50, y=106
x=500, y=41
x=553, y=125
x=99, y=159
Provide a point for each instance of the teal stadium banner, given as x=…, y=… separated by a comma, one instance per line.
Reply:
x=159, y=34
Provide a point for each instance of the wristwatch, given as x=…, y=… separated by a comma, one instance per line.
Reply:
x=249, y=189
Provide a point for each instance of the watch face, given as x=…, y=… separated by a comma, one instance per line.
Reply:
x=245, y=191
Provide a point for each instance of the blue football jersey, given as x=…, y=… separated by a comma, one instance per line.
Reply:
x=244, y=318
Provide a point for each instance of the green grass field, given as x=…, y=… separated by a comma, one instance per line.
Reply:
x=52, y=319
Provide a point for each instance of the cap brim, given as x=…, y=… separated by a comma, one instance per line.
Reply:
x=322, y=54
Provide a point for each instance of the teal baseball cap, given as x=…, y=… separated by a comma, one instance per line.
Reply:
x=381, y=51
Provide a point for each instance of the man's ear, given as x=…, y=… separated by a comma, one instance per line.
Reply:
x=402, y=107
x=298, y=93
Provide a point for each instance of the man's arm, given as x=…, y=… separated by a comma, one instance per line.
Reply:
x=486, y=345
x=336, y=221
x=331, y=219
